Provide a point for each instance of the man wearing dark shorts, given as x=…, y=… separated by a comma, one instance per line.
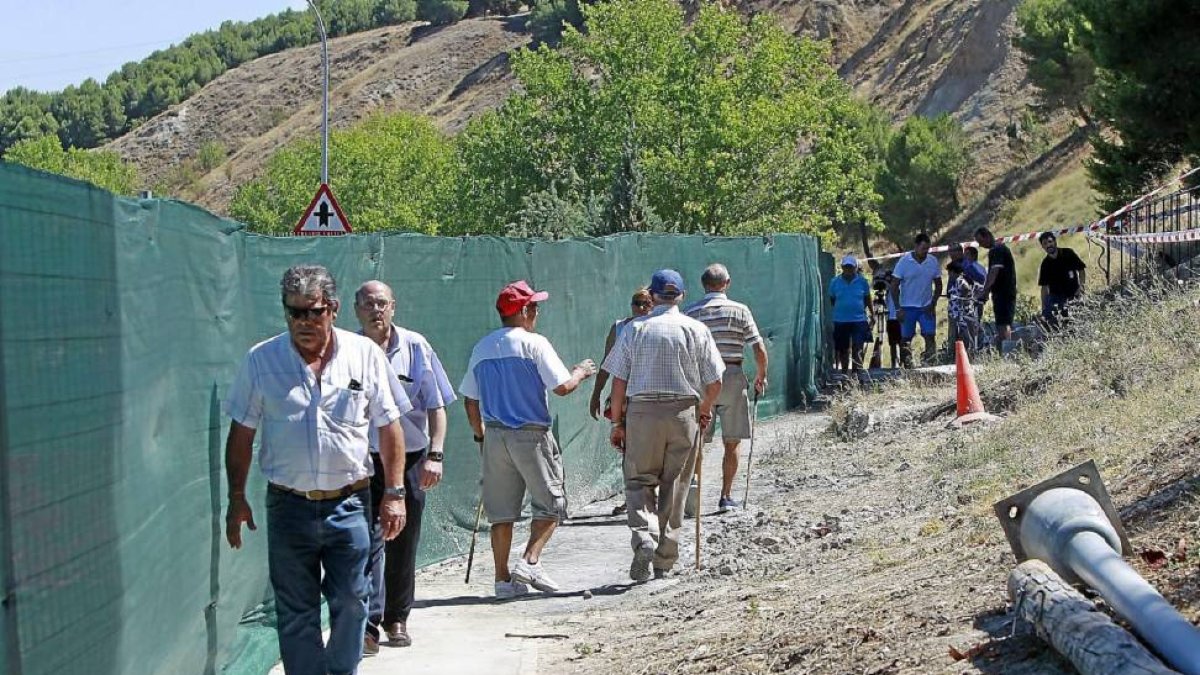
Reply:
x=1001, y=283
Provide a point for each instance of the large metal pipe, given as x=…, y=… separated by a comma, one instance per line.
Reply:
x=1068, y=530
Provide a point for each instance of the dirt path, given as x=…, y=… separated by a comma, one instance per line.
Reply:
x=460, y=629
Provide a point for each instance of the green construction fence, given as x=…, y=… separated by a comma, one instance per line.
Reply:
x=121, y=324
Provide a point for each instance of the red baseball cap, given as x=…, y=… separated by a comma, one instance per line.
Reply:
x=515, y=296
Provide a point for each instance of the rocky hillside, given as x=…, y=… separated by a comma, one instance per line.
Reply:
x=449, y=73
x=912, y=57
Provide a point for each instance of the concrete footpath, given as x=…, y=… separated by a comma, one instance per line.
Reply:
x=458, y=628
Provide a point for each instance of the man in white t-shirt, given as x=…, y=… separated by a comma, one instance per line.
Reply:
x=916, y=287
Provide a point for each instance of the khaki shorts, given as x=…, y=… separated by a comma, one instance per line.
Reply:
x=733, y=406
x=516, y=460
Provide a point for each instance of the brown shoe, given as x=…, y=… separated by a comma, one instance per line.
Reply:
x=398, y=634
x=370, y=645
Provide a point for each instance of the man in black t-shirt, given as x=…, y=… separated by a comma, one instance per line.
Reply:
x=1001, y=283
x=1062, y=277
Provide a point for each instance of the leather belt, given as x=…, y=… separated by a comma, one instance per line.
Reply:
x=733, y=363
x=324, y=495
x=662, y=398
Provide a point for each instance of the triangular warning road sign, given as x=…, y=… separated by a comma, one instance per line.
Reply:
x=323, y=216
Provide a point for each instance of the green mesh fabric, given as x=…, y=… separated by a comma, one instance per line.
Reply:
x=121, y=325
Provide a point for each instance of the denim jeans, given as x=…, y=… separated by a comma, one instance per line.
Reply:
x=304, y=537
x=1054, y=309
x=392, y=566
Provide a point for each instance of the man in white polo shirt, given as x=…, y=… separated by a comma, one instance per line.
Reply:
x=916, y=287
x=504, y=393
x=422, y=381
x=315, y=391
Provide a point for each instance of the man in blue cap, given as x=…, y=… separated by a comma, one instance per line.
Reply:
x=666, y=372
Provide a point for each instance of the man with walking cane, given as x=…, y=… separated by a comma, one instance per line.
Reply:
x=733, y=329
x=666, y=372
x=504, y=391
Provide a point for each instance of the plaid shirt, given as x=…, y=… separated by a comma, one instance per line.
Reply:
x=666, y=352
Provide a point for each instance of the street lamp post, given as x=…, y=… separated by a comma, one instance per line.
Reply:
x=324, y=94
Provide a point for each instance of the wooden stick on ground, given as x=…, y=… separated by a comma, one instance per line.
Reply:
x=1074, y=627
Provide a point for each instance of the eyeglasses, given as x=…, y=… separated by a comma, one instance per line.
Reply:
x=641, y=304
x=305, y=313
x=375, y=305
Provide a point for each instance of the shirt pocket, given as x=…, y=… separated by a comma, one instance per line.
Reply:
x=348, y=407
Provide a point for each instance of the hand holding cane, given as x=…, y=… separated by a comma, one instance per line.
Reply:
x=475, y=530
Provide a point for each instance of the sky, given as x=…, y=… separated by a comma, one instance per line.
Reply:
x=49, y=44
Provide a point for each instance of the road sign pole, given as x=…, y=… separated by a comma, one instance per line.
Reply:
x=324, y=94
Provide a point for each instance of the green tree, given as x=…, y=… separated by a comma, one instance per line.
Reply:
x=1145, y=92
x=392, y=172
x=102, y=168
x=926, y=159
x=441, y=12
x=739, y=126
x=549, y=18
x=395, y=11
x=1052, y=35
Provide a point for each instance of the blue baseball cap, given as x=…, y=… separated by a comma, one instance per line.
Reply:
x=666, y=283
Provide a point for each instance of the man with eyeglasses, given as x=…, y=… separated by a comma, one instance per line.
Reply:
x=420, y=376
x=640, y=305
x=315, y=391
x=504, y=392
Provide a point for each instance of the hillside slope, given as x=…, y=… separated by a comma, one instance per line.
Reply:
x=909, y=56
x=449, y=73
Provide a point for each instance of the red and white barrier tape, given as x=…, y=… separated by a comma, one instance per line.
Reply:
x=1155, y=237
x=1111, y=221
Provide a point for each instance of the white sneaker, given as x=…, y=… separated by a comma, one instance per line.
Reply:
x=510, y=589
x=533, y=575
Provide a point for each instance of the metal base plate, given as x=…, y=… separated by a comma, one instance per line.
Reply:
x=1011, y=511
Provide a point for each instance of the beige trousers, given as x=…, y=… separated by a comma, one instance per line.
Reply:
x=660, y=443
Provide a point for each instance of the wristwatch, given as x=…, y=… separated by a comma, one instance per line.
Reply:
x=434, y=456
x=478, y=438
x=397, y=491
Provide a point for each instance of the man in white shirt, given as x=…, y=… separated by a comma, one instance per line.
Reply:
x=916, y=287
x=422, y=381
x=314, y=392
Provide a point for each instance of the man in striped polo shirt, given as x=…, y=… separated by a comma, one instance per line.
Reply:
x=733, y=328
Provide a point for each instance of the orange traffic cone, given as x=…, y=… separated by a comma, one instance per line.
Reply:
x=970, y=405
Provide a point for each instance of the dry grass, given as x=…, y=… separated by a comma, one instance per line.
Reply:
x=919, y=565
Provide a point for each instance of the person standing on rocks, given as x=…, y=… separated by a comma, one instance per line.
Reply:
x=1001, y=284
x=853, y=320
x=1062, y=277
x=504, y=392
x=422, y=381
x=667, y=373
x=733, y=329
x=916, y=287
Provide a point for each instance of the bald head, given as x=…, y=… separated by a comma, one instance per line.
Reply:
x=375, y=307
x=715, y=278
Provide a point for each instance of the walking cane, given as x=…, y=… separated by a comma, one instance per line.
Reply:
x=699, y=450
x=475, y=531
x=750, y=457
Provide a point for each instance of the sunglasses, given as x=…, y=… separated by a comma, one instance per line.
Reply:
x=641, y=304
x=305, y=313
